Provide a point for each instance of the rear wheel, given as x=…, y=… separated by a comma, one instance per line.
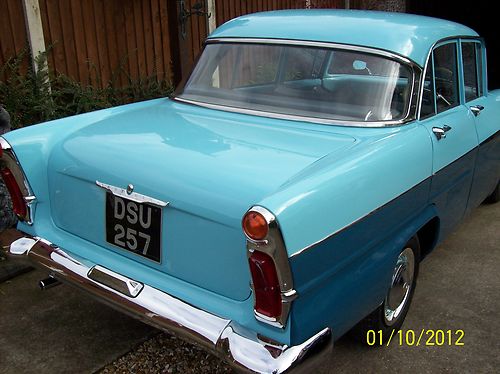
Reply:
x=389, y=316
x=495, y=196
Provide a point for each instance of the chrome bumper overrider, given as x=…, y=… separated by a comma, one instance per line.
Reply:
x=243, y=349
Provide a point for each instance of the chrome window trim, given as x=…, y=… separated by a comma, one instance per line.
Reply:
x=134, y=196
x=12, y=162
x=455, y=39
x=310, y=43
x=411, y=114
x=274, y=246
x=290, y=117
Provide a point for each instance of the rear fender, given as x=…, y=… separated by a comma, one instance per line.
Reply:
x=346, y=277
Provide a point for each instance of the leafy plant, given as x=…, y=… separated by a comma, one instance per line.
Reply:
x=36, y=96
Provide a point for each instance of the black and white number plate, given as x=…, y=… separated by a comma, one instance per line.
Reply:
x=134, y=226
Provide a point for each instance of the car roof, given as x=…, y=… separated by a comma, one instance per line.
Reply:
x=408, y=35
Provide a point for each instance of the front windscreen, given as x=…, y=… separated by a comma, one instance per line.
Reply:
x=323, y=83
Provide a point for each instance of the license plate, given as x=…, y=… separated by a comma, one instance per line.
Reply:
x=133, y=226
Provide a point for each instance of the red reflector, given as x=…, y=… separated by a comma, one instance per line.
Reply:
x=18, y=203
x=265, y=284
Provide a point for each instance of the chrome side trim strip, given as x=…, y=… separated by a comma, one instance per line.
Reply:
x=245, y=350
x=134, y=196
x=312, y=245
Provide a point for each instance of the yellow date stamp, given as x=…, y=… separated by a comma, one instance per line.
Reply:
x=415, y=338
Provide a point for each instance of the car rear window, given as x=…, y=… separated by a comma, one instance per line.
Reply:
x=326, y=83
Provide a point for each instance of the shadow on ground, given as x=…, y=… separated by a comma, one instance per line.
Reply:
x=60, y=330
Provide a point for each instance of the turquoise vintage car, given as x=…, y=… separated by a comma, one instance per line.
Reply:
x=286, y=193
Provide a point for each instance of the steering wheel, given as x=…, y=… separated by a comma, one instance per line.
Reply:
x=444, y=85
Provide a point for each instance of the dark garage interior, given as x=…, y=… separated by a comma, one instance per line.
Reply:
x=476, y=14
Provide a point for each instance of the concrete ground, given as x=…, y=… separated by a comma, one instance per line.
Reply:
x=458, y=289
x=62, y=330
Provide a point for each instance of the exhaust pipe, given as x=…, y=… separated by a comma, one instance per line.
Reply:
x=47, y=283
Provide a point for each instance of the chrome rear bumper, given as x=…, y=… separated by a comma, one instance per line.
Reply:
x=241, y=348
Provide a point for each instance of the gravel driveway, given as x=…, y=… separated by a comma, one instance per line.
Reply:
x=167, y=354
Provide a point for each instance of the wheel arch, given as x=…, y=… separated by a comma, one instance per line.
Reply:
x=428, y=236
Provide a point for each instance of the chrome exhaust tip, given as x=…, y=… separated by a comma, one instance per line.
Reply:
x=47, y=283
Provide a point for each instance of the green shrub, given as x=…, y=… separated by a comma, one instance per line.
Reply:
x=33, y=97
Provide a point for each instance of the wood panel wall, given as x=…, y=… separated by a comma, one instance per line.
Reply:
x=13, y=37
x=196, y=33
x=228, y=9
x=101, y=41
x=98, y=41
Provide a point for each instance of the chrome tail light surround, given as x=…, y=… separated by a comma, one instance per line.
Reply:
x=9, y=161
x=274, y=246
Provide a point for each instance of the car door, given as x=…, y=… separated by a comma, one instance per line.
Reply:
x=452, y=129
x=486, y=118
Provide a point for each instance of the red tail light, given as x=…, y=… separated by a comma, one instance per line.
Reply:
x=265, y=284
x=18, y=203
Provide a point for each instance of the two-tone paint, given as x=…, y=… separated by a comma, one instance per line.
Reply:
x=347, y=198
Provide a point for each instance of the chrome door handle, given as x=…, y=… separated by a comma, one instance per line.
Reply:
x=440, y=132
x=476, y=109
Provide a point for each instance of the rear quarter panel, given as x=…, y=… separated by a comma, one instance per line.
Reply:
x=345, y=220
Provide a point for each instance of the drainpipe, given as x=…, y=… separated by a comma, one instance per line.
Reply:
x=212, y=25
x=34, y=30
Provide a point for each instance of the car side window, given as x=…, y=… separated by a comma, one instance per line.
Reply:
x=471, y=76
x=479, y=61
x=428, y=103
x=446, y=77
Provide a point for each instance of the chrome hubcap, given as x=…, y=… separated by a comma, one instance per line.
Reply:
x=402, y=280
